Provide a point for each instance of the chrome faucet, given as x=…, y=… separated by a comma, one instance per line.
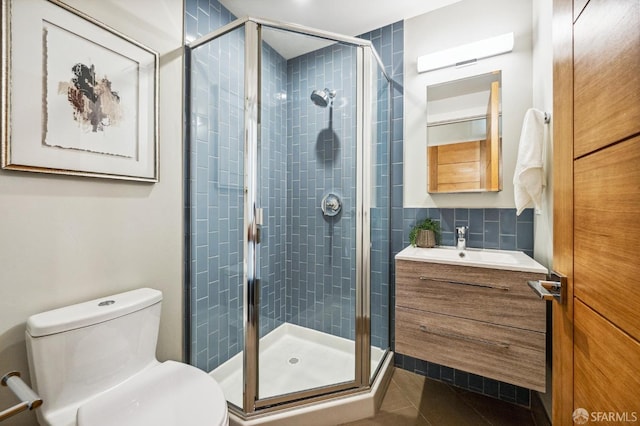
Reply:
x=462, y=243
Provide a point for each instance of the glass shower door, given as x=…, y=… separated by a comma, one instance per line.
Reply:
x=380, y=213
x=307, y=154
x=216, y=198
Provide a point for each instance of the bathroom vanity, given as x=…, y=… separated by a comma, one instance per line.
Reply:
x=472, y=310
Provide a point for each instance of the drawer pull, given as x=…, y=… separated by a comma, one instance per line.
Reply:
x=502, y=345
x=440, y=280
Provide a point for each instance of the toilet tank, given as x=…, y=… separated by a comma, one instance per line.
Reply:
x=82, y=350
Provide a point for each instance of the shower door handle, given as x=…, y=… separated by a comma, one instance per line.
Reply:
x=259, y=220
x=259, y=216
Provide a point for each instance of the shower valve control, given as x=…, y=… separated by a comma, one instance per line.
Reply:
x=331, y=205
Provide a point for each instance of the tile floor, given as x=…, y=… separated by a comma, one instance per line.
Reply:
x=412, y=399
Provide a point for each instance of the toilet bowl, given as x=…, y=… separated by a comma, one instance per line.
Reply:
x=94, y=364
x=170, y=393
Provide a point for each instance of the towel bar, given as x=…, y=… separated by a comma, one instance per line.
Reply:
x=29, y=400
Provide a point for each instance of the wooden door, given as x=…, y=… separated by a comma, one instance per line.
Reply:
x=596, y=334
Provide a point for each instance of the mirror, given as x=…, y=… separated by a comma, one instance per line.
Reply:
x=464, y=135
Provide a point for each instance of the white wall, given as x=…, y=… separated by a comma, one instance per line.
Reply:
x=461, y=23
x=67, y=239
x=543, y=100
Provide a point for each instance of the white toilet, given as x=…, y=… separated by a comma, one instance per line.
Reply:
x=94, y=364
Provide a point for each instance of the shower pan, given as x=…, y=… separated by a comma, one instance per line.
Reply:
x=287, y=287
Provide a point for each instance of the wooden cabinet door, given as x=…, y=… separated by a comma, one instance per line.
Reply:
x=596, y=334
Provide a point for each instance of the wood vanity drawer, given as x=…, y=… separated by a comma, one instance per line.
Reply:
x=502, y=353
x=490, y=295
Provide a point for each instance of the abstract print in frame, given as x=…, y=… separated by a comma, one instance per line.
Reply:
x=78, y=97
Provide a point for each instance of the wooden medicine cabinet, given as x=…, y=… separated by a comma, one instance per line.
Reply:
x=464, y=135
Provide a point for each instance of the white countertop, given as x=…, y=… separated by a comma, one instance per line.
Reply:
x=509, y=260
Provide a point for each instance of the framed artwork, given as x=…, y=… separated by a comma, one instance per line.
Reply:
x=78, y=98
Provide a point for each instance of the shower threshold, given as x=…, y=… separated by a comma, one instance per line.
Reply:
x=294, y=358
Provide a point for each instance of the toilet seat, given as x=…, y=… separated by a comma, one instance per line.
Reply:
x=167, y=394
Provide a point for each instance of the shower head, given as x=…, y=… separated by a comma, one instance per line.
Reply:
x=322, y=98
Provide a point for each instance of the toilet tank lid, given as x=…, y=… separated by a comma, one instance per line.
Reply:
x=92, y=312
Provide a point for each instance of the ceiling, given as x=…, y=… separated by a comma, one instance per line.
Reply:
x=347, y=17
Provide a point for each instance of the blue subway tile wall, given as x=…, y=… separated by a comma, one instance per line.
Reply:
x=380, y=278
x=216, y=186
x=273, y=190
x=388, y=43
x=322, y=159
x=202, y=17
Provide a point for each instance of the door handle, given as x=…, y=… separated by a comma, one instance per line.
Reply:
x=553, y=288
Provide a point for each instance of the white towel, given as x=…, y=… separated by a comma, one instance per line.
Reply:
x=529, y=177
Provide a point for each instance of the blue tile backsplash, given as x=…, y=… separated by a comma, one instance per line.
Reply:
x=488, y=228
x=307, y=277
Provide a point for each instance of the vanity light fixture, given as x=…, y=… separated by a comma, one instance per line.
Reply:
x=466, y=54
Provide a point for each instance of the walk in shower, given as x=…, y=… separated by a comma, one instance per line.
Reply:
x=288, y=213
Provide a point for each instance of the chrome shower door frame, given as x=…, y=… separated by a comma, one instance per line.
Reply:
x=251, y=240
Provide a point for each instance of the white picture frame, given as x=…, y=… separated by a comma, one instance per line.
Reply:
x=78, y=98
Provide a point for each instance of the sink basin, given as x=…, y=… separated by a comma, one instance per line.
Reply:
x=510, y=260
